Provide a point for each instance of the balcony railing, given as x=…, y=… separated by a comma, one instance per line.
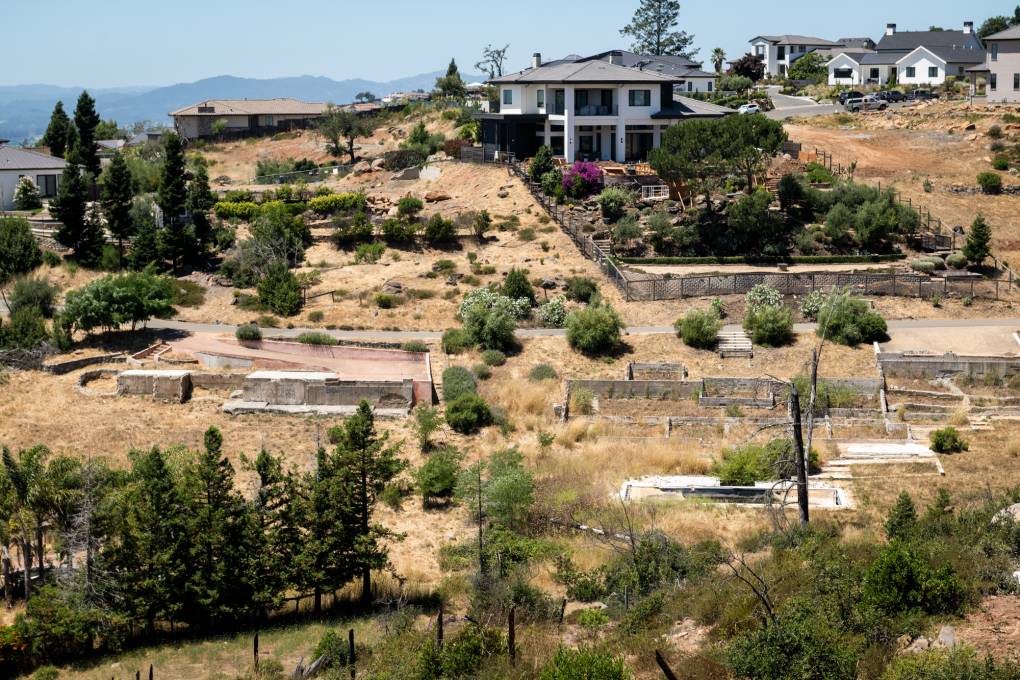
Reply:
x=595, y=110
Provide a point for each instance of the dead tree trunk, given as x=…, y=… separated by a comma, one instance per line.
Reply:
x=798, y=450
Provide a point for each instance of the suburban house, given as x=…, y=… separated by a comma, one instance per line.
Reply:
x=244, y=117
x=692, y=77
x=910, y=58
x=45, y=171
x=588, y=109
x=146, y=137
x=777, y=52
x=1001, y=67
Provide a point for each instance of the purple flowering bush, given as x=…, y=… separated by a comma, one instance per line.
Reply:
x=582, y=179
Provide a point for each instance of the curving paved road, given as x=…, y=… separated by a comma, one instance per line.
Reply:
x=401, y=336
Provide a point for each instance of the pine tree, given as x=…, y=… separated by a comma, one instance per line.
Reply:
x=56, y=132
x=26, y=195
x=70, y=206
x=652, y=26
x=145, y=246
x=367, y=465
x=327, y=551
x=222, y=529
x=116, y=201
x=177, y=238
x=86, y=120
x=977, y=248
x=902, y=519
x=451, y=85
x=200, y=201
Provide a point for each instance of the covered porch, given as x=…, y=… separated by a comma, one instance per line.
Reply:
x=601, y=141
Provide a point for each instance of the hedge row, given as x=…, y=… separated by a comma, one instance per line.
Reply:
x=789, y=259
x=241, y=210
x=334, y=203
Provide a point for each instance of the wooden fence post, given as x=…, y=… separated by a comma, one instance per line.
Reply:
x=350, y=652
x=439, y=627
x=511, y=637
x=150, y=671
x=255, y=652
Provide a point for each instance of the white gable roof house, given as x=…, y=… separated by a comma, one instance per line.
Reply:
x=919, y=58
x=777, y=52
x=15, y=163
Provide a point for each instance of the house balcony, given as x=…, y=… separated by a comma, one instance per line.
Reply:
x=596, y=110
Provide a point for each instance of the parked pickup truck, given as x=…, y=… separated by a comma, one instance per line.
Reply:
x=868, y=103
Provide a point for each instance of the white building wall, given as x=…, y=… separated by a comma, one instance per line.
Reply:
x=921, y=61
x=840, y=63
x=9, y=183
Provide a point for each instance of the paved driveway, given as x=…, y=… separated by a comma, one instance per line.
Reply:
x=787, y=106
x=962, y=340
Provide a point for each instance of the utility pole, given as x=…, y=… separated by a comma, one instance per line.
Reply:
x=798, y=449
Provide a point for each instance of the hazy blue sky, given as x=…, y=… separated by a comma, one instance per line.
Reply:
x=105, y=43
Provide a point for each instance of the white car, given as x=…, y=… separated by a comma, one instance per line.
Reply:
x=749, y=108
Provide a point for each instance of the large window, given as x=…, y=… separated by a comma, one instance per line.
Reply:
x=843, y=73
x=508, y=97
x=910, y=71
x=933, y=71
x=874, y=74
x=781, y=54
x=710, y=83
x=541, y=99
x=995, y=51
x=993, y=81
x=640, y=97
x=1016, y=81
x=47, y=184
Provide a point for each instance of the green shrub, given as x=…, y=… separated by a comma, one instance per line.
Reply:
x=491, y=318
x=938, y=262
x=334, y=645
x=25, y=329
x=922, y=266
x=493, y=357
x=552, y=314
x=585, y=663
x=468, y=414
x=769, y=326
x=436, y=479
x=482, y=371
x=33, y=293
x=613, y=202
x=816, y=173
x=316, y=316
x=698, y=329
x=46, y=672
x=582, y=402
x=594, y=330
x=386, y=300
x=414, y=346
x=399, y=230
x=850, y=321
x=279, y=291
x=804, y=645
x=552, y=181
x=990, y=182
x=1000, y=162
x=516, y=286
x=349, y=229
x=957, y=261
x=316, y=338
x=51, y=259
x=745, y=465
x=901, y=581
x=581, y=289
x=244, y=211
x=948, y=440
x=958, y=663
x=248, y=331
x=541, y=164
x=330, y=204
x=716, y=307
x=995, y=132
x=763, y=295
x=541, y=372
x=369, y=253
x=404, y=158
x=439, y=230
x=812, y=304
x=457, y=381
x=456, y=340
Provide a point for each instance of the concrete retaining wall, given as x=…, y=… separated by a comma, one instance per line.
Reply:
x=218, y=381
x=174, y=386
x=324, y=389
x=655, y=371
x=63, y=367
x=637, y=389
x=933, y=366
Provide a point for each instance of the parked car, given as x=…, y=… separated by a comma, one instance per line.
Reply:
x=851, y=94
x=870, y=102
x=922, y=95
x=749, y=108
x=892, y=95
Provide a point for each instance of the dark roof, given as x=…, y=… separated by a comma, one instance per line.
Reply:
x=880, y=58
x=12, y=158
x=633, y=58
x=584, y=72
x=686, y=107
x=908, y=40
x=1011, y=33
x=856, y=56
x=956, y=54
x=796, y=40
x=856, y=42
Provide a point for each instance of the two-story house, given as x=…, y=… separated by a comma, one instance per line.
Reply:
x=1001, y=68
x=587, y=109
x=777, y=52
x=925, y=58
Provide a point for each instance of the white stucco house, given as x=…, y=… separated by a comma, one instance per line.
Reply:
x=593, y=108
x=916, y=58
x=15, y=163
x=777, y=52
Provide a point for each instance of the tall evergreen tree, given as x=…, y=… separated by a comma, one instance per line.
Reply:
x=221, y=530
x=652, y=30
x=177, y=237
x=902, y=520
x=86, y=120
x=116, y=202
x=327, y=549
x=77, y=231
x=978, y=246
x=200, y=201
x=145, y=246
x=367, y=465
x=56, y=132
x=451, y=85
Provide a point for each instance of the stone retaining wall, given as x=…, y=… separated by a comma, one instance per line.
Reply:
x=218, y=381
x=173, y=386
x=933, y=366
x=324, y=390
x=637, y=389
x=62, y=367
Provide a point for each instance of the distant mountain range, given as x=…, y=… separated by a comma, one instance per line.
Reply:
x=25, y=109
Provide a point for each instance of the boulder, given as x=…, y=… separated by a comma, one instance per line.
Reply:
x=947, y=637
x=503, y=193
x=362, y=168
x=436, y=197
x=548, y=284
x=970, y=126
x=393, y=287
x=378, y=164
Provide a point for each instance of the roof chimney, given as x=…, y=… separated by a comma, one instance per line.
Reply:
x=890, y=29
x=968, y=27
x=616, y=57
x=536, y=60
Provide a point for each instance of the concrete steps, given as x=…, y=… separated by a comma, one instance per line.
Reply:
x=734, y=344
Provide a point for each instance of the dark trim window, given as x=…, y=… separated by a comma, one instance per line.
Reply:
x=508, y=97
x=993, y=81
x=541, y=99
x=47, y=185
x=1016, y=81
x=843, y=73
x=640, y=97
x=710, y=83
x=911, y=71
x=875, y=74
x=933, y=71
x=781, y=54
x=995, y=51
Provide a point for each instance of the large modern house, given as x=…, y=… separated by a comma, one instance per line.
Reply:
x=243, y=116
x=594, y=108
x=15, y=163
x=910, y=58
x=777, y=52
x=1001, y=67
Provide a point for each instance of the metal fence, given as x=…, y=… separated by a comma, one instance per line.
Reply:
x=309, y=175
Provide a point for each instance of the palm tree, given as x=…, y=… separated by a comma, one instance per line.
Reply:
x=718, y=58
x=26, y=475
